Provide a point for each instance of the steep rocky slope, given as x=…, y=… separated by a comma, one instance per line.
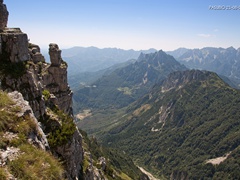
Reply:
x=186, y=128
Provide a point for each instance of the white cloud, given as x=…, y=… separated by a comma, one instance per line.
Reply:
x=205, y=35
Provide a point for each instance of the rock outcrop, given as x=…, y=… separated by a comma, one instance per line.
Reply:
x=72, y=153
x=42, y=85
x=55, y=80
x=35, y=53
x=14, y=44
x=3, y=15
x=37, y=138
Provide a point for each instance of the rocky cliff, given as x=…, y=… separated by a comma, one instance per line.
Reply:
x=3, y=15
x=44, y=86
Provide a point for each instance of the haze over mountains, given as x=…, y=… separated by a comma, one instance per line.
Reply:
x=93, y=59
x=86, y=65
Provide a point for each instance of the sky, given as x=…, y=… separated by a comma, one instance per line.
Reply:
x=128, y=24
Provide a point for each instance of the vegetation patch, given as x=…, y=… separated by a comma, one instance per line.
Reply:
x=46, y=94
x=34, y=163
x=9, y=121
x=60, y=127
x=30, y=163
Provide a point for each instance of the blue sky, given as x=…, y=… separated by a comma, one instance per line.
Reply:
x=127, y=24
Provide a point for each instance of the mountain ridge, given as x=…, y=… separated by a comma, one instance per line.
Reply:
x=223, y=61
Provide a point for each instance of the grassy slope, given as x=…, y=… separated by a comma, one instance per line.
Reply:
x=31, y=162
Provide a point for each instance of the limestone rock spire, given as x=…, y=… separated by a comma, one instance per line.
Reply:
x=3, y=15
x=55, y=54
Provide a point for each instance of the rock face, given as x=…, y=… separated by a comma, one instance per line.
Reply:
x=37, y=138
x=14, y=44
x=3, y=15
x=38, y=77
x=35, y=53
x=72, y=152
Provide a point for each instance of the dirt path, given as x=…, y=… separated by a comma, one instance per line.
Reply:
x=151, y=177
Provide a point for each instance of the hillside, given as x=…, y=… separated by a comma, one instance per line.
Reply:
x=225, y=62
x=184, y=128
x=125, y=85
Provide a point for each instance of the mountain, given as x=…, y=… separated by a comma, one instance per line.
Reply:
x=82, y=79
x=124, y=85
x=225, y=62
x=178, y=52
x=86, y=65
x=92, y=59
x=187, y=127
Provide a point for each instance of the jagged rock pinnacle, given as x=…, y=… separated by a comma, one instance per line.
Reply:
x=55, y=54
x=3, y=15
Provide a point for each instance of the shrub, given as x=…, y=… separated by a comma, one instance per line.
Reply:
x=61, y=134
x=46, y=94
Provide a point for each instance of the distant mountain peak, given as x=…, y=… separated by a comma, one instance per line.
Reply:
x=159, y=56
